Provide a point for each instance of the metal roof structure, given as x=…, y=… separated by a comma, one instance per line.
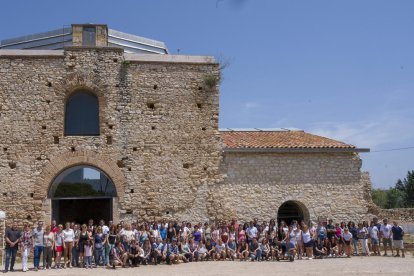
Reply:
x=58, y=38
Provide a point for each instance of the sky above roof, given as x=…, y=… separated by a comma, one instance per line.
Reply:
x=341, y=69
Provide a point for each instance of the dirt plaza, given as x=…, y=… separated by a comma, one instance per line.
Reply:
x=333, y=266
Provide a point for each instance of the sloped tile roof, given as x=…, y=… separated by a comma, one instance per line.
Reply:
x=286, y=139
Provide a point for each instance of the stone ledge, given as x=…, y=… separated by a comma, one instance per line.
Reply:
x=97, y=48
x=150, y=58
x=31, y=53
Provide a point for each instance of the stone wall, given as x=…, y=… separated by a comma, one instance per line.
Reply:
x=158, y=124
x=402, y=215
x=326, y=185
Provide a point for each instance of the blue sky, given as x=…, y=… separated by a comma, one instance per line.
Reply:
x=342, y=69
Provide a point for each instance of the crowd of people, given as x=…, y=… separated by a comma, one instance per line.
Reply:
x=131, y=245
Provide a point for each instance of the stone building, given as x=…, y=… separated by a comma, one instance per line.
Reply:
x=101, y=124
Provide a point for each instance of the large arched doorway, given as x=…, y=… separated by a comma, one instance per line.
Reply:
x=292, y=210
x=80, y=193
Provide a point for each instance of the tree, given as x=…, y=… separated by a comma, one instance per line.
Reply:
x=407, y=187
x=379, y=196
x=395, y=198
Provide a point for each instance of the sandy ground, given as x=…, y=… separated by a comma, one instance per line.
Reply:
x=338, y=266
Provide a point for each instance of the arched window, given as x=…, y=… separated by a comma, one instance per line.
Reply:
x=82, y=114
x=80, y=182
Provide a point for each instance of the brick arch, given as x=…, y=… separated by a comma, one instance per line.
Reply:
x=76, y=81
x=60, y=163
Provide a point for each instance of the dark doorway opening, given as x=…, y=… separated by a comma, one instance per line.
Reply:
x=81, y=210
x=80, y=193
x=289, y=211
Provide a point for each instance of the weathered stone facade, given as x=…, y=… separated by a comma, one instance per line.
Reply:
x=158, y=129
x=323, y=185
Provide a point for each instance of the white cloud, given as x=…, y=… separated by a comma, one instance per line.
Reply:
x=250, y=105
x=386, y=129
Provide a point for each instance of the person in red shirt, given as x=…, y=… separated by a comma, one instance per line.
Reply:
x=53, y=227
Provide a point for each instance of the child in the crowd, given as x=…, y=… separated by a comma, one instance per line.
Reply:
x=88, y=249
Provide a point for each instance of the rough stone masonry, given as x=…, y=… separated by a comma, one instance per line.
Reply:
x=161, y=119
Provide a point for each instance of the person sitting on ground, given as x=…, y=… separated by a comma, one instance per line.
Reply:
x=135, y=254
x=202, y=251
x=255, y=252
x=333, y=247
x=220, y=251
x=211, y=250
x=173, y=255
x=185, y=253
x=154, y=252
x=119, y=256
x=290, y=247
x=319, y=249
x=265, y=249
x=147, y=252
x=193, y=246
x=231, y=249
x=243, y=250
x=163, y=249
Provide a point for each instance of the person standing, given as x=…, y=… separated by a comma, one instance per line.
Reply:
x=106, y=249
x=59, y=245
x=48, y=244
x=75, y=248
x=308, y=241
x=99, y=241
x=68, y=238
x=354, y=231
x=386, y=235
x=251, y=232
x=83, y=238
x=330, y=229
x=26, y=243
x=397, y=238
x=12, y=241
x=373, y=233
x=111, y=239
x=363, y=237
x=378, y=225
x=37, y=234
x=347, y=237
x=88, y=249
x=53, y=227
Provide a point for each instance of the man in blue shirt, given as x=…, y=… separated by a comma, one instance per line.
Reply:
x=397, y=239
x=163, y=231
